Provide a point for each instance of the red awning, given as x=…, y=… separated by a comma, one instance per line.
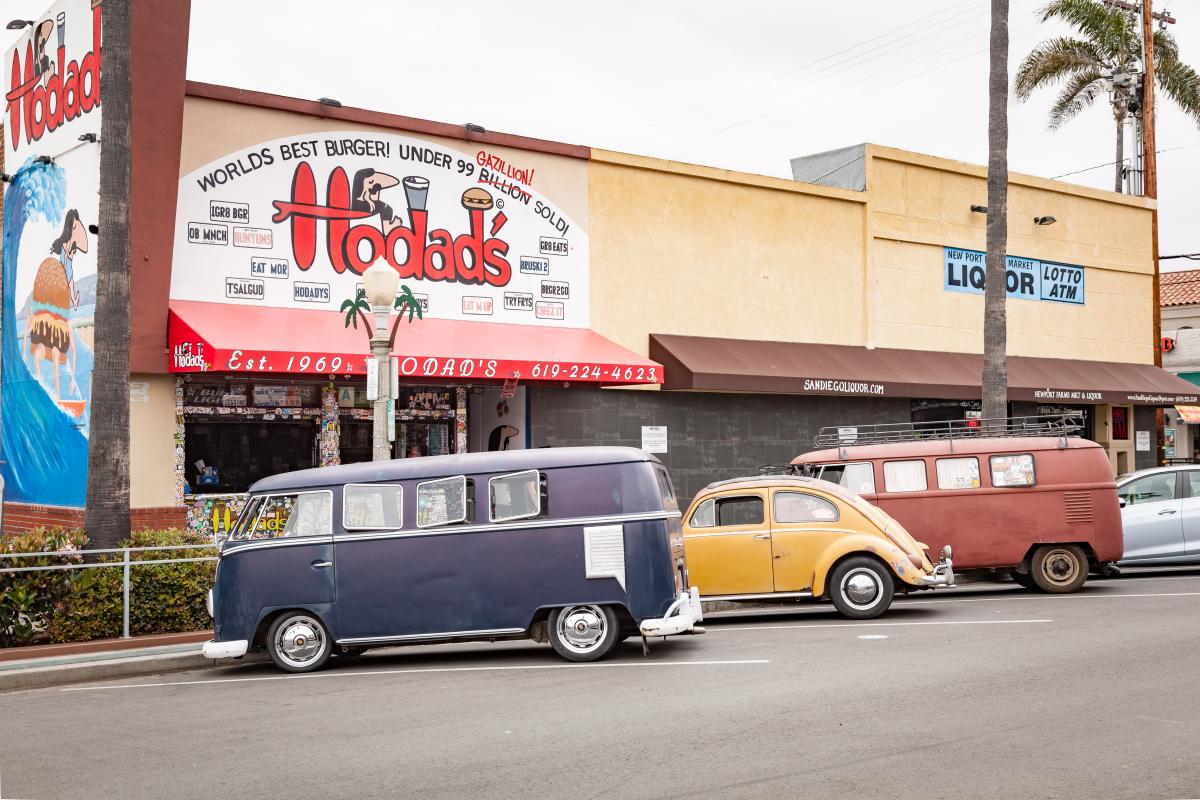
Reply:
x=216, y=337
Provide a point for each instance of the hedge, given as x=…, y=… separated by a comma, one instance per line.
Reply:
x=80, y=605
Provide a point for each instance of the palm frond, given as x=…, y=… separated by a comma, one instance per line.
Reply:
x=1110, y=29
x=406, y=301
x=1181, y=83
x=1166, y=50
x=1080, y=91
x=347, y=305
x=1055, y=60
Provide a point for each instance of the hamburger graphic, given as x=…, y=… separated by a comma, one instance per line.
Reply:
x=476, y=199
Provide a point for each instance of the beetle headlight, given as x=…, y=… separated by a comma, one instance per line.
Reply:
x=946, y=551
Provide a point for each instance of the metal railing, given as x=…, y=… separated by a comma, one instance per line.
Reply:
x=126, y=564
x=897, y=432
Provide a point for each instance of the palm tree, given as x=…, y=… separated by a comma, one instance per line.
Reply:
x=357, y=309
x=106, y=517
x=995, y=321
x=1106, y=46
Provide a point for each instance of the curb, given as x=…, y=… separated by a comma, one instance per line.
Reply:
x=41, y=677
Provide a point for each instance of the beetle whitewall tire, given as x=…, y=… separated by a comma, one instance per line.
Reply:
x=861, y=588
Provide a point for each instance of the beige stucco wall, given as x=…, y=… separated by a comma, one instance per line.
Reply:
x=696, y=251
x=920, y=204
x=152, y=444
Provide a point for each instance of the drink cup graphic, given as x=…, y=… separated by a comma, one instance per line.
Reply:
x=416, y=190
x=62, y=29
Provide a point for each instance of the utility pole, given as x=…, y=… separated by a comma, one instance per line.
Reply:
x=1149, y=158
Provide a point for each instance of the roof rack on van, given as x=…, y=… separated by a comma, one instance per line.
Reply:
x=778, y=469
x=894, y=432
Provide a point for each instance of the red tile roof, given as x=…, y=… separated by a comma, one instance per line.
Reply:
x=1180, y=288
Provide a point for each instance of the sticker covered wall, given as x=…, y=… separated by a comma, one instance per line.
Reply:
x=295, y=221
x=52, y=121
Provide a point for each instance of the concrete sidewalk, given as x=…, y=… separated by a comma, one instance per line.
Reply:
x=41, y=666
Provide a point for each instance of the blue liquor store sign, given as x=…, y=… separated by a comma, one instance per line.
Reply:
x=1026, y=278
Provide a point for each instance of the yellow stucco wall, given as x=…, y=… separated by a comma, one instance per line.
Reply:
x=152, y=444
x=919, y=204
x=703, y=252
x=682, y=249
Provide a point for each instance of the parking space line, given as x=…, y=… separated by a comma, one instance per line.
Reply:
x=418, y=671
x=876, y=624
x=1041, y=597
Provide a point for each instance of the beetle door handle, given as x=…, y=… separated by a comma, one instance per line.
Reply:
x=1166, y=511
x=762, y=536
x=321, y=564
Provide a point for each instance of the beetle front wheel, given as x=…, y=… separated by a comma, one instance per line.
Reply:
x=861, y=588
x=583, y=633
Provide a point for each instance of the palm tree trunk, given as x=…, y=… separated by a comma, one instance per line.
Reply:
x=995, y=323
x=106, y=518
x=1119, y=113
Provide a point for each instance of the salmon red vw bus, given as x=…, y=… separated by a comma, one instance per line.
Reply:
x=578, y=547
x=1017, y=495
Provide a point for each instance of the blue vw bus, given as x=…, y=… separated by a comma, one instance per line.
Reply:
x=578, y=546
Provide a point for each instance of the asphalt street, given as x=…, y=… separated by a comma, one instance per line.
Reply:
x=983, y=691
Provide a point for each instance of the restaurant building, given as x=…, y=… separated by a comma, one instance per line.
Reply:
x=569, y=296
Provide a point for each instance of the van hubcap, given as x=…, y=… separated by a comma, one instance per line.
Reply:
x=582, y=628
x=300, y=641
x=861, y=588
x=1060, y=566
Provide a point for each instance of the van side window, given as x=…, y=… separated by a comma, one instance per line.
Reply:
x=291, y=515
x=905, y=476
x=372, y=507
x=739, y=511
x=958, y=473
x=1013, y=470
x=858, y=478
x=442, y=502
x=515, y=496
x=705, y=515
x=799, y=507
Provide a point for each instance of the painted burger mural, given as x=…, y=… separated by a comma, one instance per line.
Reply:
x=52, y=80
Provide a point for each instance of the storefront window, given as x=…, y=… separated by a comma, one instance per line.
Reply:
x=227, y=454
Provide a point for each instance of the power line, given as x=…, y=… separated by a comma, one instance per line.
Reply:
x=865, y=80
x=1113, y=163
x=656, y=129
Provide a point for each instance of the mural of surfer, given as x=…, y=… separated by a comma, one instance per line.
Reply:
x=53, y=302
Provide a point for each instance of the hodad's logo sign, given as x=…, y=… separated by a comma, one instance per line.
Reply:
x=46, y=90
x=461, y=230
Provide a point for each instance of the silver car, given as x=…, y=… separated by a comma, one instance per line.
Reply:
x=1160, y=512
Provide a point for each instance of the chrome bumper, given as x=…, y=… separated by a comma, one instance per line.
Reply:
x=943, y=575
x=234, y=649
x=208, y=604
x=681, y=617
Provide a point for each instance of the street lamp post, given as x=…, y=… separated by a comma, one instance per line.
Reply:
x=380, y=283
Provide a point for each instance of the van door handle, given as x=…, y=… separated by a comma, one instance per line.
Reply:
x=1166, y=511
x=762, y=536
x=321, y=564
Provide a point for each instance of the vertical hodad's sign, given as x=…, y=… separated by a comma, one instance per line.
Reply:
x=469, y=229
x=51, y=124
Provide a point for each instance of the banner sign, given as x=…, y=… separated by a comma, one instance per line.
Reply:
x=51, y=205
x=294, y=222
x=1026, y=278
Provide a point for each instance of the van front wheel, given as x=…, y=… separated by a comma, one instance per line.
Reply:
x=298, y=642
x=861, y=588
x=1058, y=568
x=583, y=633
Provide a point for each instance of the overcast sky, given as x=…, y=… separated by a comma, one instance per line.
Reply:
x=743, y=85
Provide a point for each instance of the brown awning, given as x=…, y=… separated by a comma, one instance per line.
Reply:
x=740, y=365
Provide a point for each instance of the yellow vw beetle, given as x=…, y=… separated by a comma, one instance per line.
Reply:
x=773, y=537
